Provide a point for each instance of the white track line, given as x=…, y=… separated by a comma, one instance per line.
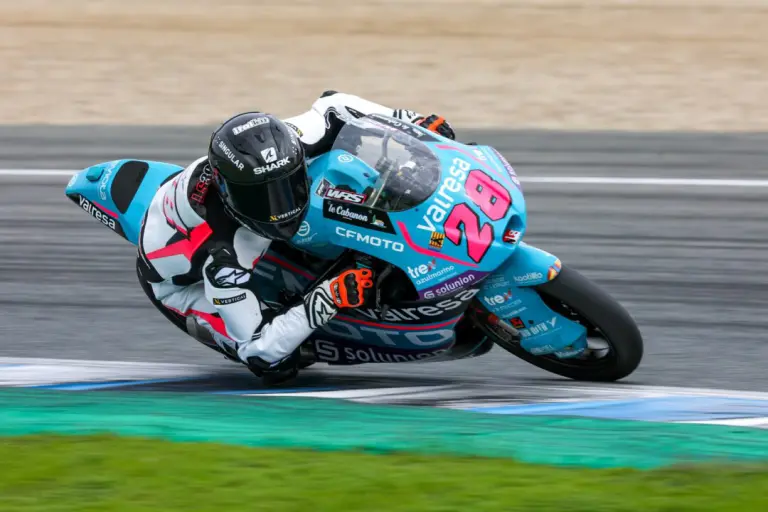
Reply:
x=37, y=172
x=607, y=180
x=56, y=369
x=733, y=422
x=563, y=180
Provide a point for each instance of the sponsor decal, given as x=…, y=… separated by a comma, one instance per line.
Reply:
x=389, y=336
x=459, y=220
x=253, y=123
x=511, y=237
x=530, y=276
x=294, y=139
x=480, y=155
x=455, y=285
x=357, y=215
x=496, y=281
x=345, y=159
x=504, y=307
x=569, y=351
x=169, y=209
x=355, y=113
x=405, y=114
x=436, y=240
x=72, y=180
x=445, y=196
x=405, y=127
x=228, y=277
x=229, y=300
x=304, y=231
x=518, y=311
x=541, y=328
x=231, y=155
x=97, y=213
x=502, y=302
x=371, y=240
x=201, y=187
x=296, y=129
x=498, y=299
x=424, y=273
x=554, y=270
x=323, y=186
x=345, y=213
x=517, y=322
x=104, y=181
x=281, y=216
x=306, y=241
x=380, y=223
x=443, y=309
x=269, y=155
x=543, y=349
x=509, y=168
x=329, y=352
x=271, y=167
x=344, y=195
x=420, y=270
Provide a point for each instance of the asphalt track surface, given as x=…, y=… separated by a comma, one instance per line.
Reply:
x=689, y=263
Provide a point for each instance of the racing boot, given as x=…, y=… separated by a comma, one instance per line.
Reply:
x=278, y=373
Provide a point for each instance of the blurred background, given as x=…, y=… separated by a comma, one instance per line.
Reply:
x=639, y=131
x=560, y=64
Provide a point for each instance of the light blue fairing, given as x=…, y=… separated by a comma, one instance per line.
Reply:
x=506, y=270
x=415, y=239
x=509, y=294
x=92, y=190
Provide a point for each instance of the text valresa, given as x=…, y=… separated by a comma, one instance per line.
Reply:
x=95, y=212
x=441, y=310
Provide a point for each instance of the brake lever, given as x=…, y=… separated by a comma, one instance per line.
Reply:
x=288, y=299
x=341, y=262
x=344, y=261
x=382, y=275
x=366, y=261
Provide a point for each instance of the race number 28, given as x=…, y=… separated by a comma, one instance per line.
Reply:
x=492, y=199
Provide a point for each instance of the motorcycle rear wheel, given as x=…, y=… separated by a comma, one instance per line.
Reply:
x=616, y=345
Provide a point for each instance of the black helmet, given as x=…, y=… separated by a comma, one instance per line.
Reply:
x=260, y=174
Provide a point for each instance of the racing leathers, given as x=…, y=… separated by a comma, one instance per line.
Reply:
x=195, y=262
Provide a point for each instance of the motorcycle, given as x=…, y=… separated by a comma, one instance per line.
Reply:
x=441, y=224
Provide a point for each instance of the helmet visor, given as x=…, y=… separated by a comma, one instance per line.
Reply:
x=272, y=202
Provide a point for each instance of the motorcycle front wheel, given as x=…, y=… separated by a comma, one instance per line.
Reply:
x=615, y=345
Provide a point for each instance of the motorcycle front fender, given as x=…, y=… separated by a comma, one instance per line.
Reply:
x=509, y=294
x=530, y=266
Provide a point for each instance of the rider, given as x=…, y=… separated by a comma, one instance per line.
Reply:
x=197, y=249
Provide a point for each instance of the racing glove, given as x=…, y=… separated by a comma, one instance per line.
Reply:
x=347, y=290
x=437, y=124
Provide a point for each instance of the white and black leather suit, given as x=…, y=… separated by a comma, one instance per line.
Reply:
x=195, y=263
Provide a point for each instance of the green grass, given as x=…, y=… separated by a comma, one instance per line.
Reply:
x=105, y=473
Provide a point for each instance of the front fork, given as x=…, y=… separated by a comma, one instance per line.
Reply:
x=509, y=295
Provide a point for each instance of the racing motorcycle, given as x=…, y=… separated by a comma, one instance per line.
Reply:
x=441, y=224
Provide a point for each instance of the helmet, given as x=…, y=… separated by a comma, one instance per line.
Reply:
x=260, y=174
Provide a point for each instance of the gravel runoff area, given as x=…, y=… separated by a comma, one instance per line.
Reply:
x=591, y=64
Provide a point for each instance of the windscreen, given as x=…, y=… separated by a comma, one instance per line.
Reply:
x=406, y=171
